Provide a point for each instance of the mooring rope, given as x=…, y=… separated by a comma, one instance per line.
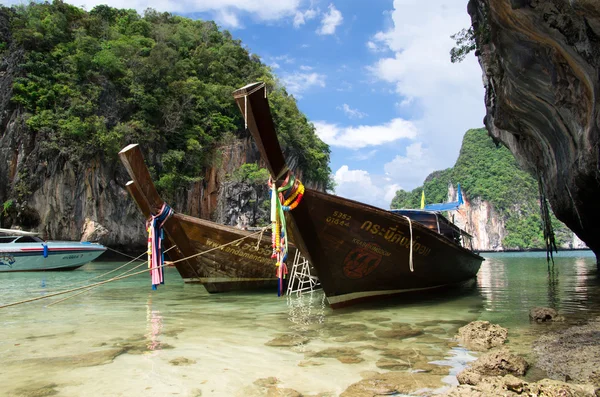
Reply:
x=125, y=255
x=122, y=274
x=125, y=276
x=410, y=255
x=104, y=274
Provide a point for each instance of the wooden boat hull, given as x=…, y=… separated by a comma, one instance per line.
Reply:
x=238, y=266
x=361, y=252
x=229, y=259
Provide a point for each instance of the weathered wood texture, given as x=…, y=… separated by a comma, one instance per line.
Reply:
x=230, y=264
x=359, y=251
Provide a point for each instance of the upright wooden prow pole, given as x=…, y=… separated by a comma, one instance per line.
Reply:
x=253, y=103
x=146, y=196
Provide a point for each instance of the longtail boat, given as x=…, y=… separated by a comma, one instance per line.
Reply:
x=238, y=259
x=359, y=251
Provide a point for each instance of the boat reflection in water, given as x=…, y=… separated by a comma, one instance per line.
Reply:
x=518, y=281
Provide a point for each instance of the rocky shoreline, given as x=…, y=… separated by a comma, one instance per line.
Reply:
x=563, y=361
x=567, y=361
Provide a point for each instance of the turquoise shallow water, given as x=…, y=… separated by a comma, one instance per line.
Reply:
x=123, y=339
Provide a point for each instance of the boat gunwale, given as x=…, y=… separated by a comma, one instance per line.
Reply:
x=385, y=213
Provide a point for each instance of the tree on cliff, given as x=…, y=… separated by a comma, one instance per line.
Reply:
x=90, y=82
x=492, y=174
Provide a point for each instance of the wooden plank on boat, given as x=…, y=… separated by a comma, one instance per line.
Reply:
x=133, y=160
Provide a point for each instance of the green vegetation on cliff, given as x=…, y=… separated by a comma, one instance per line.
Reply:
x=492, y=174
x=91, y=82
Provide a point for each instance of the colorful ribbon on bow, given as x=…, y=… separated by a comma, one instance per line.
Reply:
x=285, y=198
x=156, y=256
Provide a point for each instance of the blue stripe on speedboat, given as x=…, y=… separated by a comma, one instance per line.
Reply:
x=50, y=252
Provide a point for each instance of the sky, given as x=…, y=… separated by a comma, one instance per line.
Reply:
x=374, y=76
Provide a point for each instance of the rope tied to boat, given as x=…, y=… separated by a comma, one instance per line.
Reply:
x=121, y=277
x=410, y=253
x=156, y=255
x=285, y=198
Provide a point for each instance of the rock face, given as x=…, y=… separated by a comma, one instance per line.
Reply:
x=540, y=62
x=66, y=198
x=479, y=218
x=67, y=201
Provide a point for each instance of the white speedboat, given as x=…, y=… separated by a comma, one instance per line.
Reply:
x=24, y=251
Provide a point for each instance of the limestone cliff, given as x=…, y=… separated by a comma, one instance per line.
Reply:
x=488, y=226
x=66, y=201
x=541, y=62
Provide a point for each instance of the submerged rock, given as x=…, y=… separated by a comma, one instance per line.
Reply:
x=398, y=331
x=544, y=314
x=481, y=335
x=288, y=341
x=35, y=390
x=267, y=387
x=392, y=365
x=90, y=359
x=394, y=383
x=335, y=352
x=266, y=382
x=182, y=361
x=572, y=354
x=277, y=392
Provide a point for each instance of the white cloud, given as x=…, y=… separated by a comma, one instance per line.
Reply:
x=448, y=97
x=376, y=47
x=227, y=19
x=296, y=83
x=405, y=102
x=300, y=17
x=306, y=68
x=330, y=21
x=412, y=166
x=365, y=135
x=364, y=156
x=284, y=58
x=361, y=186
x=352, y=113
x=275, y=65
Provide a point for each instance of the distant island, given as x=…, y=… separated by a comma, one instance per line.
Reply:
x=502, y=208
